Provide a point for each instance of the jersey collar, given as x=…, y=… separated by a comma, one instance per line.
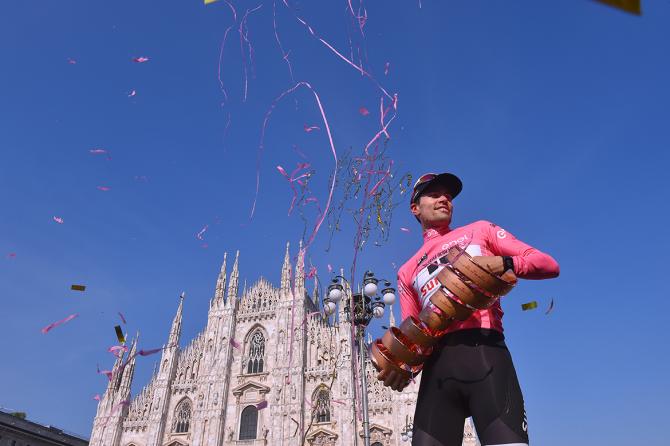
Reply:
x=431, y=233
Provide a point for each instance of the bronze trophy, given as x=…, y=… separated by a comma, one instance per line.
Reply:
x=465, y=286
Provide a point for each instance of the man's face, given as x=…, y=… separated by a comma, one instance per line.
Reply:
x=434, y=207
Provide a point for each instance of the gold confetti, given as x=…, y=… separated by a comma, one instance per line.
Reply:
x=119, y=334
x=207, y=2
x=632, y=6
x=529, y=306
x=78, y=287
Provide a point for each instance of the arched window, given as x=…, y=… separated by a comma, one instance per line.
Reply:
x=256, y=353
x=249, y=423
x=182, y=419
x=322, y=407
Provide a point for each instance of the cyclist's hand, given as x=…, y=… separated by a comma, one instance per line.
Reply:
x=494, y=264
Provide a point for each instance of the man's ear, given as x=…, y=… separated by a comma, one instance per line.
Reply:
x=414, y=207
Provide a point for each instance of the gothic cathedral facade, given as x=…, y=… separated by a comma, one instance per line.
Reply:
x=268, y=369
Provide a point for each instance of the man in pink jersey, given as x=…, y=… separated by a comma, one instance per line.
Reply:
x=471, y=372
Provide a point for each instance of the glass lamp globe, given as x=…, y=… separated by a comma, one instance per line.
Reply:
x=335, y=294
x=409, y=434
x=403, y=436
x=370, y=289
x=389, y=296
x=329, y=308
x=378, y=311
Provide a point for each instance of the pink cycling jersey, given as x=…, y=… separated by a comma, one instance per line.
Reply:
x=417, y=279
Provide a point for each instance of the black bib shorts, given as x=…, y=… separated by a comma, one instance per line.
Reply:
x=470, y=373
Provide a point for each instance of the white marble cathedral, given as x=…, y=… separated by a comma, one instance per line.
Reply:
x=214, y=392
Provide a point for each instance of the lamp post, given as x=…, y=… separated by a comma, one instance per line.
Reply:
x=366, y=305
x=407, y=432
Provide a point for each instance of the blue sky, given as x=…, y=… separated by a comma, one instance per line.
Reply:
x=553, y=113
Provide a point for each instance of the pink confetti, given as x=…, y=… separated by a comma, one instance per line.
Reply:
x=58, y=220
x=311, y=128
x=97, y=151
x=262, y=405
x=71, y=61
x=202, y=231
x=404, y=230
x=11, y=255
x=386, y=68
x=118, y=350
x=140, y=59
x=363, y=111
x=311, y=273
x=234, y=343
x=103, y=188
x=53, y=325
x=393, y=265
x=96, y=397
x=132, y=94
x=123, y=319
x=330, y=268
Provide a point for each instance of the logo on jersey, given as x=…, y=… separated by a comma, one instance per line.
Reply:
x=501, y=233
x=524, y=424
x=421, y=260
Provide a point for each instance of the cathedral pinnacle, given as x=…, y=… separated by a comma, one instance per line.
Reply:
x=221, y=281
x=175, y=331
x=286, y=273
x=234, y=280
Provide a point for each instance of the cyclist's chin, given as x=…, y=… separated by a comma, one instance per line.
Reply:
x=439, y=219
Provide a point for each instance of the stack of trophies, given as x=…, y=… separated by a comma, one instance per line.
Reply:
x=465, y=285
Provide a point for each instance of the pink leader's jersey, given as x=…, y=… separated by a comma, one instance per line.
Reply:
x=417, y=278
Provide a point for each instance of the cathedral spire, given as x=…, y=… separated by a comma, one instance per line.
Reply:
x=315, y=294
x=129, y=370
x=391, y=317
x=175, y=331
x=234, y=280
x=300, y=272
x=221, y=281
x=286, y=273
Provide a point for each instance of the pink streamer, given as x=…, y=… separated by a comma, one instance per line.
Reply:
x=103, y=188
x=387, y=66
x=363, y=111
x=132, y=94
x=330, y=268
x=71, y=61
x=123, y=319
x=57, y=323
x=310, y=128
x=140, y=59
x=58, y=220
x=11, y=255
x=404, y=229
x=96, y=397
x=551, y=307
x=149, y=352
x=97, y=151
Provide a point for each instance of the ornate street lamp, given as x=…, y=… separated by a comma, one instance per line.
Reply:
x=363, y=306
x=407, y=432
